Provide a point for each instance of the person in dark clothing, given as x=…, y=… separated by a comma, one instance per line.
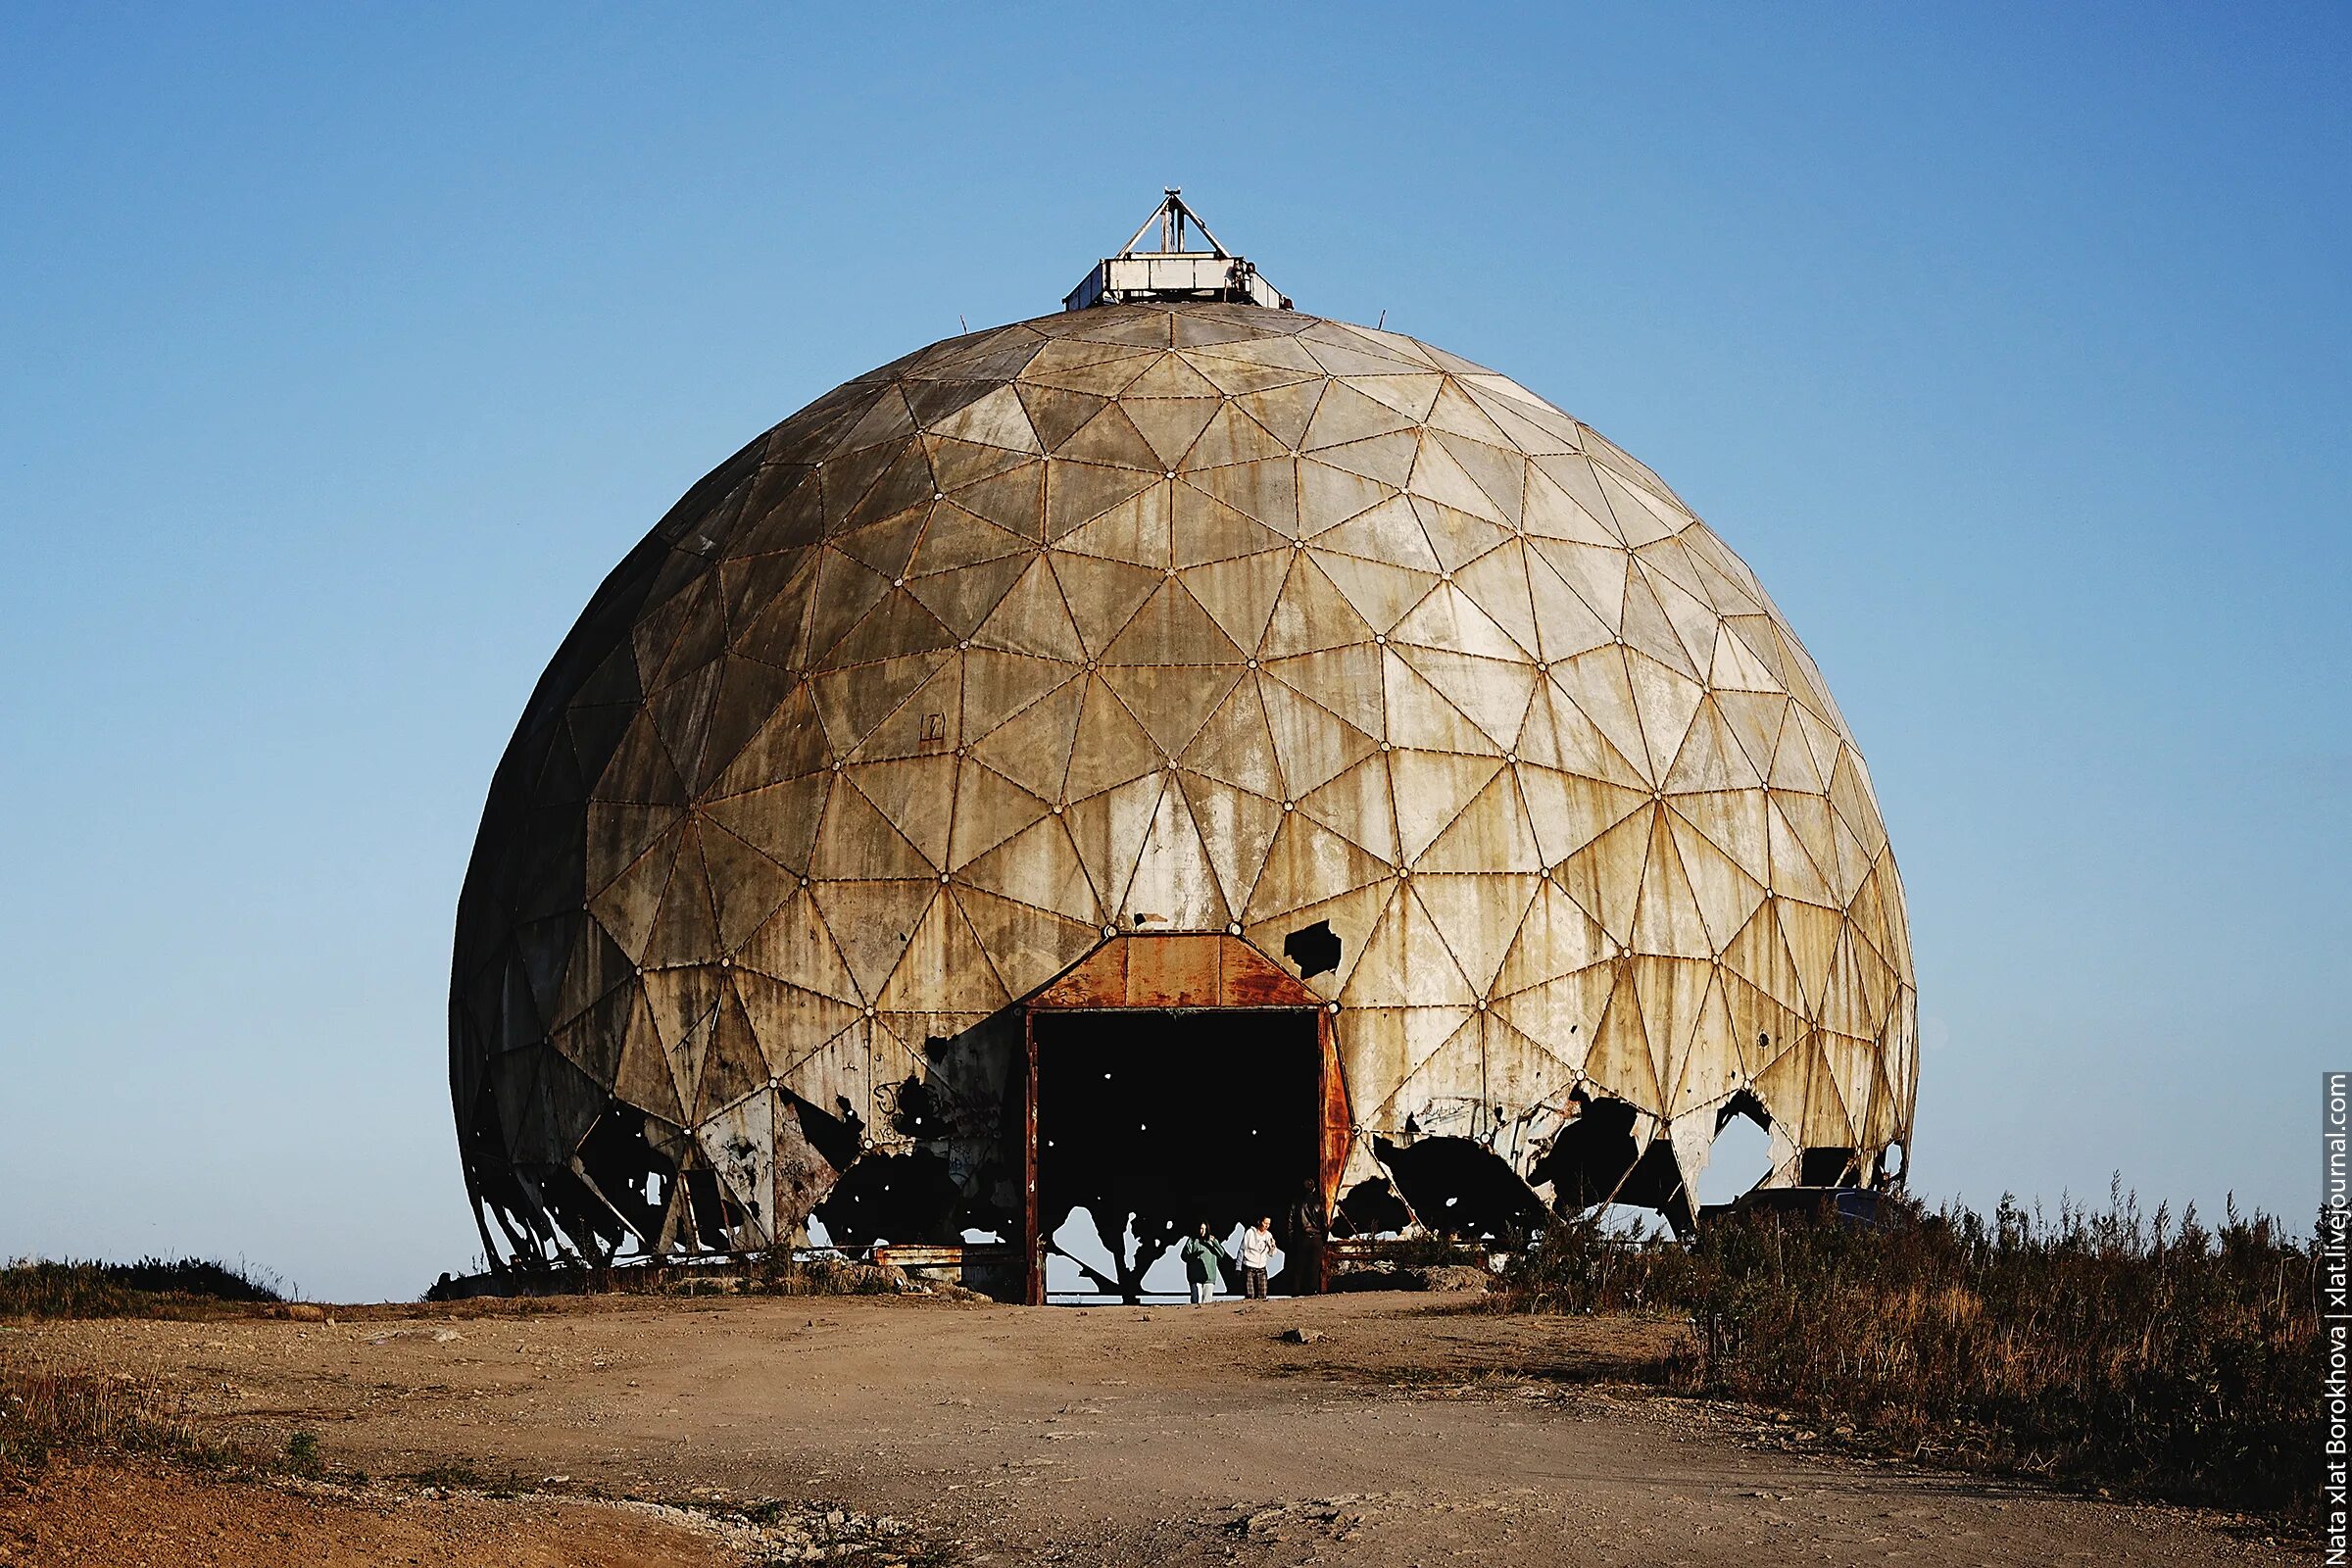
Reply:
x=1201, y=1256
x=1308, y=1223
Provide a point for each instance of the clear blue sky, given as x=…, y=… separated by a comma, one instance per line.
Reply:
x=344, y=349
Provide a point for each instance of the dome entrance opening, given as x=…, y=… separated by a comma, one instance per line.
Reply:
x=1155, y=1122
x=1174, y=1080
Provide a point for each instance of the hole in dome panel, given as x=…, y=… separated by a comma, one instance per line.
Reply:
x=1740, y=1161
x=1314, y=948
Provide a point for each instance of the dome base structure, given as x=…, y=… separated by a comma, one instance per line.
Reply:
x=1277, y=715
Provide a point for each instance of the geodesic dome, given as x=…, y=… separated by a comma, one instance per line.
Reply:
x=1145, y=619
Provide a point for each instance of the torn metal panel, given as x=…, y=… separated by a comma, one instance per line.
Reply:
x=740, y=1144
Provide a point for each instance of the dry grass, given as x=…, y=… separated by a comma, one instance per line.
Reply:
x=82, y=1416
x=79, y=1416
x=2101, y=1348
x=38, y=1288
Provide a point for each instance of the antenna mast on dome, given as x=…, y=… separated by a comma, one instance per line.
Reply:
x=1174, y=273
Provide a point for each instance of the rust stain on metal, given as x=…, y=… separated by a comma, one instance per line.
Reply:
x=1339, y=1122
x=1176, y=972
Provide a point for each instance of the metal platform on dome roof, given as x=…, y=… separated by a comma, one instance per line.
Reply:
x=1174, y=273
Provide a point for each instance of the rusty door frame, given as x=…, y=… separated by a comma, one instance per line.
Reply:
x=1180, y=973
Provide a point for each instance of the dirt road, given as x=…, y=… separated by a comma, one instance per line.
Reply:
x=1412, y=1432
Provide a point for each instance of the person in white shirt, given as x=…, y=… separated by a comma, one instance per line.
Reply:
x=1257, y=1256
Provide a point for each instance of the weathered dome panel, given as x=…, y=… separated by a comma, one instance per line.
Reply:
x=1147, y=618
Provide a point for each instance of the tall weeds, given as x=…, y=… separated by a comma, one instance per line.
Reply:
x=2099, y=1348
x=79, y=1415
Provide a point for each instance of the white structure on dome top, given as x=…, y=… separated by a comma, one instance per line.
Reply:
x=1174, y=273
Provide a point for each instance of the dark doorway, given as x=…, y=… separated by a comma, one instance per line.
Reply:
x=1162, y=1119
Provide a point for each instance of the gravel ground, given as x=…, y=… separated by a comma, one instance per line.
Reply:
x=1405, y=1429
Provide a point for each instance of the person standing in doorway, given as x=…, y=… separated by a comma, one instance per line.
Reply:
x=1201, y=1256
x=1257, y=1255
